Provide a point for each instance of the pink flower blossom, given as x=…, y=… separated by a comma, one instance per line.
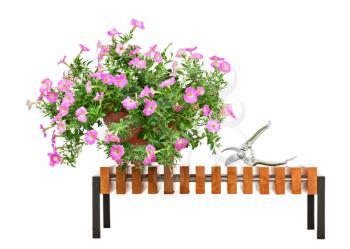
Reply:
x=178, y=108
x=206, y=110
x=191, y=49
x=81, y=113
x=116, y=152
x=63, y=111
x=224, y=67
x=99, y=96
x=150, y=107
x=168, y=82
x=138, y=63
x=191, y=95
x=83, y=48
x=55, y=158
x=107, y=78
x=51, y=97
x=53, y=140
x=103, y=51
x=151, y=158
x=98, y=45
x=121, y=80
x=181, y=143
x=120, y=49
x=99, y=67
x=91, y=137
x=151, y=50
x=147, y=92
x=174, y=68
x=200, y=90
x=197, y=56
x=137, y=24
x=150, y=149
x=227, y=111
x=111, y=138
x=61, y=127
x=88, y=87
x=68, y=99
x=63, y=61
x=181, y=52
x=113, y=32
x=46, y=85
x=216, y=58
x=135, y=51
x=129, y=104
x=43, y=130
x=213, y=125
x=157, y=57
x=64, y=85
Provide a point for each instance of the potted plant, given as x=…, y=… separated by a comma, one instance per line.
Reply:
x=153, y=102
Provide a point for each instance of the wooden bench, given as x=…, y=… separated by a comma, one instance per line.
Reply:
x=275, y=177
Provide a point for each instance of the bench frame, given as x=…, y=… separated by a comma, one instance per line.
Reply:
x=96, y=192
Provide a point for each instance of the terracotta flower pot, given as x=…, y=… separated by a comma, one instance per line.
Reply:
x=134, y=132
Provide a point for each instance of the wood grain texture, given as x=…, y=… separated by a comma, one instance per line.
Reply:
x=105, y=185
x=264, y=180
x=137, y=186
x=311, y=180
x=168, y=181
x=280, y=181
x=296, y=180
x=231, y=180
x=216, y=180
x=121, y=180
x=152, y=180
x=184, y=180
x=248, y=180
x=200, y=180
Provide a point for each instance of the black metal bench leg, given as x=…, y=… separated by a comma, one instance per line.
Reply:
x=106, y=211
x=310, y=212
x=96, y=230
x=321, y=215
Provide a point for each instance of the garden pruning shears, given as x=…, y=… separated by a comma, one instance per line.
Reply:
x=247, y=154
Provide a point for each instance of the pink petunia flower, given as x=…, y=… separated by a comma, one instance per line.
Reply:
x=129, y=104
x=197, y=56
x=151, y=50
x=174, y=68
x=137, y=24
x=116, y=152
x=46, y=85
x=227, y=111
x=150, y=149
x=191, y=95
x=88, y=87
x=64, y=85
x=213, y=125
x=63, y=110
x=216, y=58
x=91, y=137
x=206, y=110
x=138, y=63
x=157, y=57
x=120, y=49
x=113, y=32
x=99, y=96
x=107, y=78
x=51, y=97
x=135, y=51
x=150, y=107
x=68, y=99
x=151, y=158
x=55, y=158
x=43, y=130
x=121, y=80
x=61, y=127
x=63, y=61
x=200, y=90
x=111, y=138
x=191, y=49
x=83, y=48
x=81, y=113
x=178, y=108
x=167, y=82
x=103, y=51
x=99, y=67
x=181, y=143
x=224, y=67
x=147, y=92
x=181, y=52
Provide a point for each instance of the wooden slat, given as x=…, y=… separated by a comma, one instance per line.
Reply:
x=136, y=180
x=168, y=181
x=296, y=180
x=152, y=180
x=248, y=180
x=280, y=181
x=264, y=183
x=231, y=180
x=312, y=180
x=105, y=185
x=200, y=180
x=184, y=180
x=121, y=180
x=216, y=180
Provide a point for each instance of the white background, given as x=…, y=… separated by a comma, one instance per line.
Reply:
x=292, y=67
